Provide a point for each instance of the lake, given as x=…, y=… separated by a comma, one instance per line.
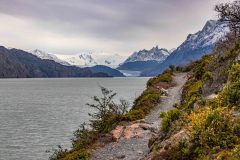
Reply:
x=36, y=115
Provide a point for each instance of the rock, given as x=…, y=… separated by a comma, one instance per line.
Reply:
x=172, y=143
x=139, y=121
x=132, y=131
x=120, y=156
x=145, y=126
x=211, y=96
x=152, y=140
x=195, y=106
x=164, y=92
x=238, y=59
x=108, y=138
x=149, y=156
x=140, y=152
x=236, y=113
x=117, y=132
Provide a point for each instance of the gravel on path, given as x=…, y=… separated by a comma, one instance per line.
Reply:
x=136, y=147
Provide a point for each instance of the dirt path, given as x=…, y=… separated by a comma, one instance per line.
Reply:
x=135, y=146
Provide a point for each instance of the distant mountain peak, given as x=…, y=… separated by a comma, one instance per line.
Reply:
x=43, y=55
x=209, y=35
x=154, y=54
x=171, y=50
x=209, y=24
x=144, y=59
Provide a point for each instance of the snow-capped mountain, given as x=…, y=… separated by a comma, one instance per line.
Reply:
x=171, y=50
x=208, y=36
x=144, y=59
x=155, y=54
x=88, y=59
x=110, y=60
x=194, y=47
x=44, y=55
x=83, y=60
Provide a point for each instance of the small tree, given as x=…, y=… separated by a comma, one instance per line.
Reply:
x=106, y=116
x=230, y=13
x=172, y=67
x=108, y=113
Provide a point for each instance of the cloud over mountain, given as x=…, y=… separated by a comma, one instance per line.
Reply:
x=108, y=25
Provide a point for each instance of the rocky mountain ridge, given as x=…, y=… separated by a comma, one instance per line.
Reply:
x=194, y=47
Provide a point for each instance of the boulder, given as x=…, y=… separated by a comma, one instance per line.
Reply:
x=170, y=144
x=164, y=91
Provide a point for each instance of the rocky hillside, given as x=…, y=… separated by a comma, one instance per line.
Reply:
x=16, y=63
x=197, y=112
x=194, y=47
x=205, y=124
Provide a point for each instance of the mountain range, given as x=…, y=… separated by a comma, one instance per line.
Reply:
x=193, y=48
x=149, y=62
x=145, y=62
x=15, y=63
x=85, y=59
x=144, y=59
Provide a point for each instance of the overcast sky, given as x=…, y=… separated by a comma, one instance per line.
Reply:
x=111, y=26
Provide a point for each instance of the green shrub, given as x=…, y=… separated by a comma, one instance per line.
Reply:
x=83, y=136
x=191, y=93
x=107, y=112
x=212, y=130
x=234, y=73
x=168, y=118
x=134, y=115
x=147, y=100
x=200, y=67
x=192, y=88
x=172, y=68
x=232, y=154
x=207, y=76
x=63, y=154
x=164, y=77
x=230, y=96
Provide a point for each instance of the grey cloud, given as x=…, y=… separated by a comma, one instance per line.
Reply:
x=119, y=21
x=93, y=15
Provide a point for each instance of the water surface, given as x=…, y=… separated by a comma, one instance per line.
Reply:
x=38, y=114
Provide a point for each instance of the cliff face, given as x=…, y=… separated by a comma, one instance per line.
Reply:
x=16, y=63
